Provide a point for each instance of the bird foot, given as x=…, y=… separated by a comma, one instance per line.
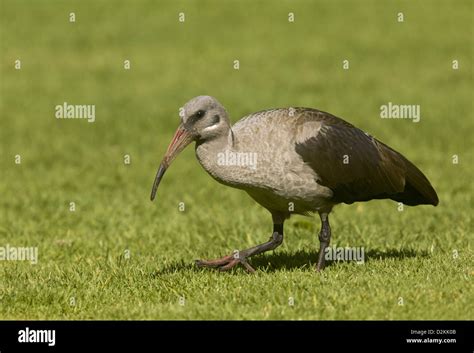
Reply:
x=227, y=262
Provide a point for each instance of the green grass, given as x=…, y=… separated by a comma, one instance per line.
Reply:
x=409, y=254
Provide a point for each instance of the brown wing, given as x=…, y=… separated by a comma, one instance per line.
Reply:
x=357, y=167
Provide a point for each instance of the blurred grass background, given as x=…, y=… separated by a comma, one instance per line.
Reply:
x=409, y=254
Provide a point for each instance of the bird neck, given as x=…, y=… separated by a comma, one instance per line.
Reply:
x=211, y=155
x=208, y=149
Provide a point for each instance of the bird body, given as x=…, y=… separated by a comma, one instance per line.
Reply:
x=291, y=162
x=279, y=179
x=294, y=161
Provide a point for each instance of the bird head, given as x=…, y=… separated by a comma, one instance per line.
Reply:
x=203, y=118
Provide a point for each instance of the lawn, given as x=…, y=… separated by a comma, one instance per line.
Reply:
x=115, y=255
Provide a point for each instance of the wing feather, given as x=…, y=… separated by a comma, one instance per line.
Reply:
x=358, y=167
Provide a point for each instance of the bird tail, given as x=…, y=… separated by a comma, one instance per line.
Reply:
x=418, y=190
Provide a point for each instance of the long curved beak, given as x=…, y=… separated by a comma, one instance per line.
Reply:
x=180, y=140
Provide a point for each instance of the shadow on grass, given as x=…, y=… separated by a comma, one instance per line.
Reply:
x=301, y=259
x=307, y=259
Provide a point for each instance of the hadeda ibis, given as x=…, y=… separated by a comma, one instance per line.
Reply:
x=293, y=161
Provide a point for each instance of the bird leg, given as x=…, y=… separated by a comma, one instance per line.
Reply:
x=240, y=257
x=324, y=239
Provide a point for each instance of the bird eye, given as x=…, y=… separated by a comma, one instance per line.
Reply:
x=200, y=113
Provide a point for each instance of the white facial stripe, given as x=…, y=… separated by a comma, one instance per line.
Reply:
x=212, y=127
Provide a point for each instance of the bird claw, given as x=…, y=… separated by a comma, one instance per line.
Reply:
x=226, y=263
